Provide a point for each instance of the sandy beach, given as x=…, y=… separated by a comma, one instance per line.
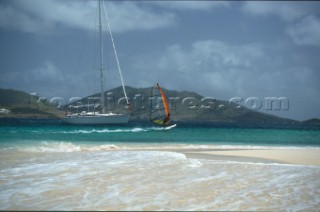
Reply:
x=75, y=168
x=288, y=156
x=65, y=176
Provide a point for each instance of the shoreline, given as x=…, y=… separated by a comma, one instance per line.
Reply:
x=309, y=157
x=306, y=156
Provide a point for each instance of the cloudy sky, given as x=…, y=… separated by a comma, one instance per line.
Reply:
x=218, y=49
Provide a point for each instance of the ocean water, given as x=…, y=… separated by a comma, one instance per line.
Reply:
x=63, y=167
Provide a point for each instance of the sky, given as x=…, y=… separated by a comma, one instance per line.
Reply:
x=219, y=49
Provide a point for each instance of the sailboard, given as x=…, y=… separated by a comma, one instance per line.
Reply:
x=170, y=127
x=159, y=108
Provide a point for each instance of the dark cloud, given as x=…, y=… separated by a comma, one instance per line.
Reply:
x=226, y=52
x=38, y=16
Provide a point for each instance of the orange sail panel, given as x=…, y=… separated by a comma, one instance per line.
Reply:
x=165, y=103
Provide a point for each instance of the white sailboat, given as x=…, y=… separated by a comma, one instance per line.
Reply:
x=86, y=117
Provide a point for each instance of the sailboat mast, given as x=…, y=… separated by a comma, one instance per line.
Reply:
x=101, y=60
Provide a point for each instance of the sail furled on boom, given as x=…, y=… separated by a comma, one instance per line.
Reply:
x=159, y=108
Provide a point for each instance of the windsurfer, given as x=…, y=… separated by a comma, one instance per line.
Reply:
x=163, y=114
x=166, y=120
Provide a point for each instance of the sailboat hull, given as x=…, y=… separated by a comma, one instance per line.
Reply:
x=97, y=119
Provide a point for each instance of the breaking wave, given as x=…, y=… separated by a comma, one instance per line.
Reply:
x=68, y=147
x=132, y=130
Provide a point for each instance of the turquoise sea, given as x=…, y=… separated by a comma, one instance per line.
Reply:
x=137, y=133
x=65, y=167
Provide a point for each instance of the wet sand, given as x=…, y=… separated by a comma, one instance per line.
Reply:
x=288, y=156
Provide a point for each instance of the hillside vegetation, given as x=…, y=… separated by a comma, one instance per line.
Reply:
x=19, y=104
x=185, y=106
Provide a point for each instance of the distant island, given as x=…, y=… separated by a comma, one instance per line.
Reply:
x=185, y=106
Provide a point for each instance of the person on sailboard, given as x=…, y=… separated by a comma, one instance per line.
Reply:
x=166, y=120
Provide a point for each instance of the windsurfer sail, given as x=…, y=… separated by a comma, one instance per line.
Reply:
x=159, y=108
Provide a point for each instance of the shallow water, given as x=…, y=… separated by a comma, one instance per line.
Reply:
x=140, y=134
x=40, y=179
x=98, y=168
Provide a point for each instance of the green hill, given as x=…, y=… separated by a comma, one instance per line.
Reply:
x=11, y=98
x=185, y=106
x=19, y=104
x=312, y=122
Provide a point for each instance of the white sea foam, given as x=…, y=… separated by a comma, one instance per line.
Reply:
x=120, y=130
x=153, y=180
x=53, y=146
